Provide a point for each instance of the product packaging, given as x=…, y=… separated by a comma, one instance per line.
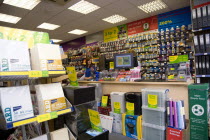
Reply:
x=50, y=97
x=46, y=57
x=132, y=126
x=16, y=103
x=14, y=56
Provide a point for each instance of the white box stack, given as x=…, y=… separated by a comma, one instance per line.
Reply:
x=154, y=113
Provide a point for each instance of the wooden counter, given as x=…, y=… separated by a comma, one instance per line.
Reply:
x=177, y=90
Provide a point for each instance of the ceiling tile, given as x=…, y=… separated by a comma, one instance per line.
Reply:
x=102, y=3
x=11, y=10
x=64, y=17
x=119, y=6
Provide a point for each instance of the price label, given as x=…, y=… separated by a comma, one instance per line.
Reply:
x=43, y=118
x=45, y=73
x=117, y=107
x=104, y=101
x=27, y=121
x=152, y=101
x=63, y=111
x=129, y=108
x=53, y=115
x=35, y=74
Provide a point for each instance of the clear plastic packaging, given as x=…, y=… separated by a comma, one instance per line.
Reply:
x=159, y=97
x=153, y=132
x=154, y=116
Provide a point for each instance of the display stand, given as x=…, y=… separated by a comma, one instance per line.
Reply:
x=15, y=79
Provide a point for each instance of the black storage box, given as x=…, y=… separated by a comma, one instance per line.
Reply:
x=136, y=98
x=102, y=136
x=79, y=95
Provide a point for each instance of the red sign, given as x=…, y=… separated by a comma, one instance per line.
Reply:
x=143, y=25
x=174, y=134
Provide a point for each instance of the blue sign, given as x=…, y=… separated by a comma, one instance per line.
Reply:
x=174, y=18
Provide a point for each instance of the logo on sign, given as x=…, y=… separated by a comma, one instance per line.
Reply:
x=197, y=110
x=16, y=108
x=8, y=114
x=54, y=101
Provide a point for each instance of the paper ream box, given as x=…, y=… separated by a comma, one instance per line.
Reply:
x=61, y=134
x=16, y=103
x=46, y=57
x=43, y=137
x=14, y=56
x=50, y=97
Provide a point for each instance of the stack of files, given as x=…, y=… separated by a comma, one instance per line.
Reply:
x=176, y=114
x=202, y=43
x=201, y=17
x=154, y=113
x=202, y=64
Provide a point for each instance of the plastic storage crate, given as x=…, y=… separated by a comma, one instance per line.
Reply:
x=154, y=98
x=153, y=132
x=154, y=116
x=118, y=97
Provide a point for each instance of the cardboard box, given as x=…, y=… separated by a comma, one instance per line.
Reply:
x=46, y=57
x=198, y=107
x=178, y=134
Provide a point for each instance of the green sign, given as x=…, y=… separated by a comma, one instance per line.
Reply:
x=117, y=108
x=53, y=115
x=122, y=31
x=95, y=120
x=45, y=73
x=178, y=59
x=129, y=108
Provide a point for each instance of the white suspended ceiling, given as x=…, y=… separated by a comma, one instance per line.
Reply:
x=68, y=20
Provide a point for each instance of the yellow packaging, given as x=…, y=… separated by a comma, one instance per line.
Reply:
x=51, y=64
x=54, y=104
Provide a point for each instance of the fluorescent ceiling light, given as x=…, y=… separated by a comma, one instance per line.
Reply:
x=153, y=6
x=48, y=26
x=56, y=40
x=26, y=4
x=9, y=18
x=84, y=7
x=115, y=19
x=77, y=32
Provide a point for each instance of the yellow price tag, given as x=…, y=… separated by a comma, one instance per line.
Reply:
x=104, y=101
x=152, y=101
x=35, y=74
x=27, y=121
x=43, y=118
x=129, y=108
x=117, y=107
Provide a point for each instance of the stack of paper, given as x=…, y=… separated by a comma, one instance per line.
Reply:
x=43, y=137
x=61, y=134
x=14, y=56
x=46, y=57
x=16, y=103
x=50, y=97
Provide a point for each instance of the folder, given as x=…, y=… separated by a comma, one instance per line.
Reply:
x=175, y=115
x=200, y=65
x=197, y=65
x=204, y=16
x=202, y=45
x=207, y=42
x=194, y=18
x=203, y=64
x=199, y=18
x=207, y=65
x=208, y=15
x=196, y=43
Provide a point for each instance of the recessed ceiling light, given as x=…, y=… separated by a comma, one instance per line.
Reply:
x=153, y=6
x=77, y=32
x=56, y=40
x=115, y=19
x=9, y=18
x=26, y=4
x=48, y=26
x=84, y=7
